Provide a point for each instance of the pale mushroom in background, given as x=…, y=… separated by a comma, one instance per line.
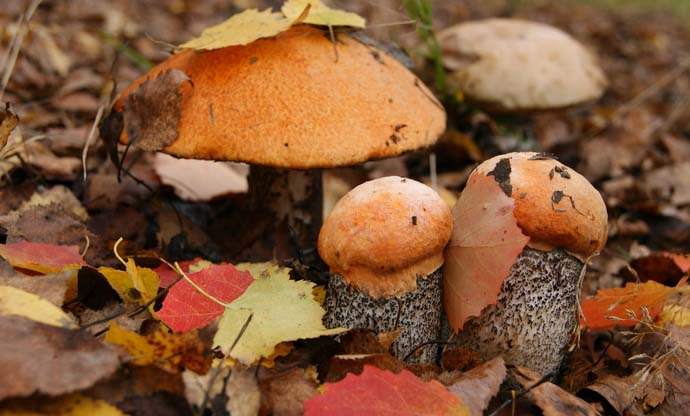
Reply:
x=512, y=65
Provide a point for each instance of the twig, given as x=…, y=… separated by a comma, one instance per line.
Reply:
x=16, y=45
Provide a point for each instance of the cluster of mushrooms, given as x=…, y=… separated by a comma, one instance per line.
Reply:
x=289, y=107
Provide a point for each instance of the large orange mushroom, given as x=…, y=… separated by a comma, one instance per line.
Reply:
x=288, y=105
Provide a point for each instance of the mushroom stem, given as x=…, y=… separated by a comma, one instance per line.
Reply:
x=536, y=314
x=416, y=314
x=282, y=216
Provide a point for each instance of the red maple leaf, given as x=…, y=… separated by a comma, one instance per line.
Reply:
x=168, y=276
x=40, y=257
x=186, y=308
x=379, y=392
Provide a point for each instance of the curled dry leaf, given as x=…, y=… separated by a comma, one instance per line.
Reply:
x=624, y=306
x=39, y=358
x=284, y=392
x=485, y=243
x=152, y=111
x=380, y=392
x=133, y=285
x=8, y=121
x=41, y=258
x=185, y=308
x=201, y=180
x=17, y=302
x=477, y=386
x=242, y=389
x=551, y=399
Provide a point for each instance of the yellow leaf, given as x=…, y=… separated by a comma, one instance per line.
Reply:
x=167, y=350
x=320, y=14
x=15, y=301
x=240, y=29
x=281, y=310
x=71, y=405
x=135, y=285
x=678, y=315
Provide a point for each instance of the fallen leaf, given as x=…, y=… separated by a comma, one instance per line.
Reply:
x=485, y=243
x=284, y=393
x=168, y=276
x=8, y=121
x=51, y=287
x=201, y=180
x=185, y=308
x=70, y=405
x=551, y=399
x=320, y=14
x=278, y=310
x=624, y=306
x=17, y=302
x=198, y=387
x=39, y=358
x=477, y=386
x=379, y=392
x=242, y=389
x=41, y=258
x=170, y=351
x=152, y=111
x=240, y=29
x=134, y=285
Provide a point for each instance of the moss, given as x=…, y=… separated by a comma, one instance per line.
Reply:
x=417, y=314
x=532, y=323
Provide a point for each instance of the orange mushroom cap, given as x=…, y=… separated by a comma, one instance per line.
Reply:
x=385, y=233
x=297, y=100
x=554, y=205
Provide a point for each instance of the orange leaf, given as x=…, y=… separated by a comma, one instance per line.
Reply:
x=485, y=243
x=40, y=257
x=622, y=306
x=379, y=392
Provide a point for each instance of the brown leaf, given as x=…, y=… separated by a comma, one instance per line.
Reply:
x=283, y=394
x=38, y=358
x=476, y=387
x=341, y=365
x=242, y=389
x=551, y=399
x=51, y=287
x=152, y=112
x=616, y=392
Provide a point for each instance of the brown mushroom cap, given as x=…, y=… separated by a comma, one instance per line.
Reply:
x=554, y=205
x=384, y=234
x=291, y=101
x=517, y=65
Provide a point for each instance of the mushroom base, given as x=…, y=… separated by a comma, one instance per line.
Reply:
x=536, y=314
x=417, y=314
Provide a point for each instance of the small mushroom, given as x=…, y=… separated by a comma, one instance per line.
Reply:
x=384, y=243
x=536, y=311
x=511, y=65
x=288, y=105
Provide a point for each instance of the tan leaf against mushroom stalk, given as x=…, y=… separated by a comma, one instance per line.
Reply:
x=281, y=103
x=528, y=313
x=516, y=65
x=384, y=243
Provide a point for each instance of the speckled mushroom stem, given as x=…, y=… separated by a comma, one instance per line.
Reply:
x=282, y=216
x=417, y=314
x=536, y=315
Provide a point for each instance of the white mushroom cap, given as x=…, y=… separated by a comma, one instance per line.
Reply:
x=517, y=65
